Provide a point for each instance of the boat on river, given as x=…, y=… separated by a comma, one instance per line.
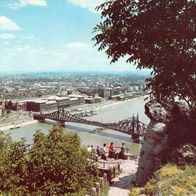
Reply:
x=97, y=129
x=16, y=127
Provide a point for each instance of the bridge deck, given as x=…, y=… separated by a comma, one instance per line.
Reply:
x=131, y=126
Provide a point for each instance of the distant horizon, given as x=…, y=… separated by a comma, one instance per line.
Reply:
x=136, y=72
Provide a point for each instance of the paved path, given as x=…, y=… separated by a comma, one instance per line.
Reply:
x=121, y=185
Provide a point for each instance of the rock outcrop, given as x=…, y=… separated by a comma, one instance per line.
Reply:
x=168, y=124
x=184, y=155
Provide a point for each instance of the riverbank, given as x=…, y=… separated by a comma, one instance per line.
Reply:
x=105, y=104
x=114, y=103
x=24, y=118
x=21, y=124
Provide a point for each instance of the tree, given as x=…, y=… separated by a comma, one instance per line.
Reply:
x=12, y=164
x=55, y=164
x=155, y=34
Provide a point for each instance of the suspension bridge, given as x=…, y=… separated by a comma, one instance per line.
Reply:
x=131, y=126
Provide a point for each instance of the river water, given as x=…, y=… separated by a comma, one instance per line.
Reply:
x=110, y=113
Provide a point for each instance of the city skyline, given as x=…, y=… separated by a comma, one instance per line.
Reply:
x=43, y=35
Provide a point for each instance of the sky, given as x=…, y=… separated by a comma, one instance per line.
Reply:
x=51, y=35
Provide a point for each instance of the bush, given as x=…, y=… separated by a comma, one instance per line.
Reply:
x=134, y=192
x=55, y=164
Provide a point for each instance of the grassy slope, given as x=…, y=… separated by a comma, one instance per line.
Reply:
x=170, y=180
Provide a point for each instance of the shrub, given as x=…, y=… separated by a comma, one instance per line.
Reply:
x=55, y=164
x=170, y=180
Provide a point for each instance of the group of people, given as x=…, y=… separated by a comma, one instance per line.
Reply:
x=108, y=152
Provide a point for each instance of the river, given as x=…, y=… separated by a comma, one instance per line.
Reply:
x=109, y=113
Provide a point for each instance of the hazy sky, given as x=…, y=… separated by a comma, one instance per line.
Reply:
x=51, y=35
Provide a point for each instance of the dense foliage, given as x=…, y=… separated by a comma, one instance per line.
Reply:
x=170, y=180
x=155, y=34
x=55, y=164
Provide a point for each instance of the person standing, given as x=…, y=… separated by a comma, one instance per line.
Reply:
x=122, y=151
x=104, y=153
x=98, y=151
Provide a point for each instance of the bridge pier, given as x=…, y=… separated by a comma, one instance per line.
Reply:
x=135, y=137
x=39, y=119
x=62, y=123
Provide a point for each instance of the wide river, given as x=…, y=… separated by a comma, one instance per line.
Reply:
x=109, y=113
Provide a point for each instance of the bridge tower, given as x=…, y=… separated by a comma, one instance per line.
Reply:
x=135, y=136
x=60, y=111
x=137, y=124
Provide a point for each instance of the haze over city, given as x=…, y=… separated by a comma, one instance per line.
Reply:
x=47, y=35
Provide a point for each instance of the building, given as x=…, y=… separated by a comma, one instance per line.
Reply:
x=49, y=105
x=105, y=92
x=118, y=97
x=89, y=100
x=10, y=105
x=122, y=97
x=70, y=91
x=35, y=106
x=83, y=90
x=21, y=105
x=63, y=102
x=130, y=89
x=74, y=101
x=97, y=99
x=118, y=90
x=79, y=97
